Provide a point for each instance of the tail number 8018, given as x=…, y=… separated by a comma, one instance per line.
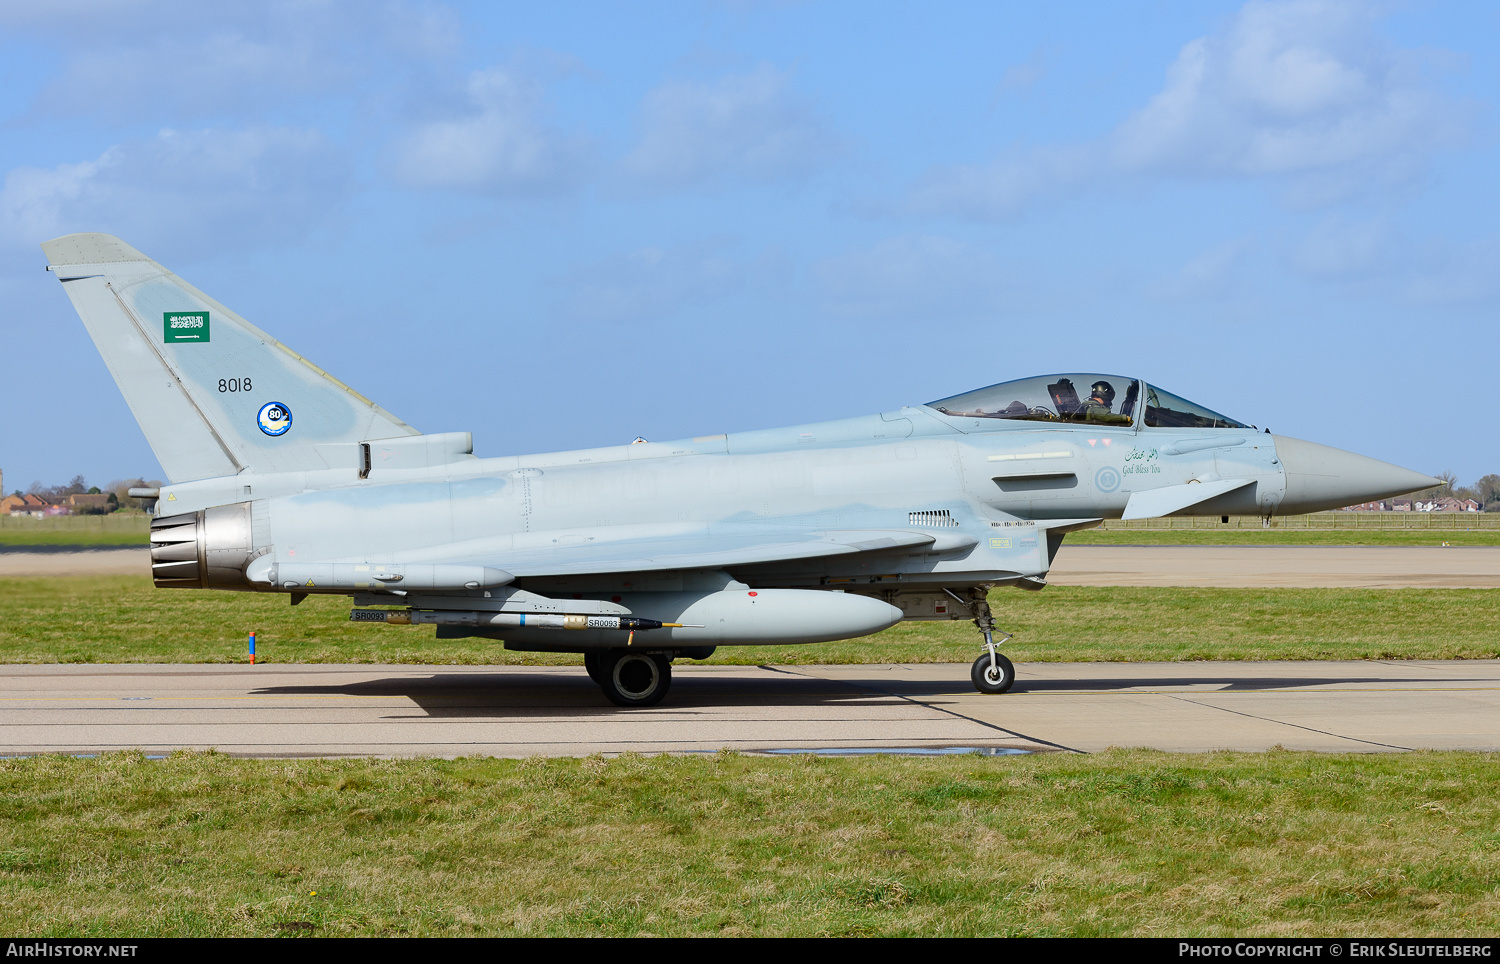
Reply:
x=234, y=384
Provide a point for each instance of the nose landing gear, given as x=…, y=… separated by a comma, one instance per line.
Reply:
x=991, y=672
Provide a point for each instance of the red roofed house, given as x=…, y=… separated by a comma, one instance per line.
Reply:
x=32, y=505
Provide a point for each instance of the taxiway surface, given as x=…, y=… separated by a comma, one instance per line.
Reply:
x=512, y=711
x=320, y=710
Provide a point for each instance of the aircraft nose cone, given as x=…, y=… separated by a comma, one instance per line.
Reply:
x=1322, y=477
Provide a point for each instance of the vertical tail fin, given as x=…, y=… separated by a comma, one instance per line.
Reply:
x=214, y=394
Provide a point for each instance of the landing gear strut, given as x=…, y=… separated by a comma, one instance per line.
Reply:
x=991, y=672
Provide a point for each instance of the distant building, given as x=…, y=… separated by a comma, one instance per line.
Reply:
x=23, y=502
x=1447, y=504
x=88, y=503
x=32, y=505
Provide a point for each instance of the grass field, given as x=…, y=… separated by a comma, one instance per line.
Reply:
x=124, y=619
x=1284, y=537
x=116, y=529
x=1128, y=842
x=1316, y=529
x=128, y=529
x=1120, y=843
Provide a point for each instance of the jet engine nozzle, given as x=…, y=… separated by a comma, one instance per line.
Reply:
x=1321, y=477
x=207, y=549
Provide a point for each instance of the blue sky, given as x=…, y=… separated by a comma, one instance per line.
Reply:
x=565, y=225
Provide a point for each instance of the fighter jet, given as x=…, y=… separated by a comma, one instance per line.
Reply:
x=285, y=480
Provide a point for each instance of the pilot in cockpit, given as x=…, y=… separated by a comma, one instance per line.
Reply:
x=1101, y=397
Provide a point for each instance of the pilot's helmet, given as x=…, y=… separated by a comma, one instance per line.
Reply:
x=1103, y=391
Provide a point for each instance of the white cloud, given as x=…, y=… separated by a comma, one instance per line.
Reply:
x=1376, y=257
x=1337, y=248
x=750, y=126
x=920, y=278
x=35, y=201
x=1288, y=88
x=186, y=61
x=1457, y=274
x=1020, y=78
x=194, y=190
x=1303, y=91
x=652, y=282
x=498, y=145
x=1007, y=186
x=1213, y=272
x=224, y=71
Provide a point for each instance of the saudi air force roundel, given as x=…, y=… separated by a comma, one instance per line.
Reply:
x=274, y=418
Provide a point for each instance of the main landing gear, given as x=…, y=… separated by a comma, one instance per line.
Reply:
x=631, y=677
x=991, y=672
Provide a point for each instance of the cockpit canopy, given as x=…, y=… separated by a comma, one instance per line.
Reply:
x=1093, y=399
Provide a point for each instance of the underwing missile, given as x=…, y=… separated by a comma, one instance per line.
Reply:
x=508, y=620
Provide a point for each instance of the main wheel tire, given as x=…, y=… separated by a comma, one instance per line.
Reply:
x=634, y=679
x=992, y=679
x=591, y=666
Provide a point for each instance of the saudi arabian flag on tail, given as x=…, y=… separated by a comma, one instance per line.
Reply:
x=184, y=326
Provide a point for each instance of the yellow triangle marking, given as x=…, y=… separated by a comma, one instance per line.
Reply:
x=171, y=496
x=309, y=582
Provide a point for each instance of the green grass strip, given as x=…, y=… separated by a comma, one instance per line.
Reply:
x=1284, y=537
x=127, y=529
x=116, y=529
x=1121, y=843
x=120, y=619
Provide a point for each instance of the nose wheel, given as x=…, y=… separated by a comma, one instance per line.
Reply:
x=992, y=673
